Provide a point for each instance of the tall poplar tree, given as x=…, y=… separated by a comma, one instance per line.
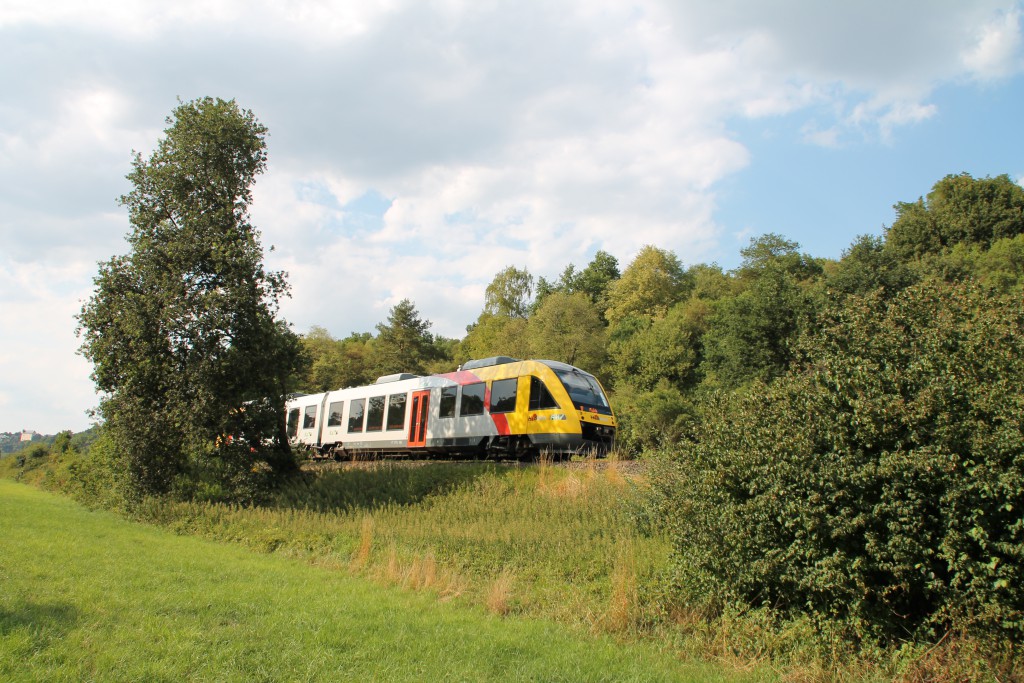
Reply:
x=187, y=349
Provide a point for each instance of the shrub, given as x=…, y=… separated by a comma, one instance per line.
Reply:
x=878, y=489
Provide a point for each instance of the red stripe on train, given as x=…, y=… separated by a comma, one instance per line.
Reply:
x=501, y=422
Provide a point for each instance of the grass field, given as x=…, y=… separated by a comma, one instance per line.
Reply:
x=538, y=541
x=85, y=595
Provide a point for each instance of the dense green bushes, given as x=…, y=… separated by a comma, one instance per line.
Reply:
x=879, y=486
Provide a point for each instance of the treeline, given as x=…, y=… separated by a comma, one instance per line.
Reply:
x=662, y=335
x=11, y=442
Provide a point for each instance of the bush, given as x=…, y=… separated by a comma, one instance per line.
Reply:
x=878, y=489
x=650, y=419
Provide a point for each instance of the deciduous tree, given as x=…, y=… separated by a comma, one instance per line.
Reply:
x=495, y=335
x=183, y=331
x=958, y=209
x=567, y=328
x=509, y=293
x=650, y=285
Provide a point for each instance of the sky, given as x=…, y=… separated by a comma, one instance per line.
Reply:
x=417, y=148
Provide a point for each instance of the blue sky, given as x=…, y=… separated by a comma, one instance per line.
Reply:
x=417, y=148
x=823, y=197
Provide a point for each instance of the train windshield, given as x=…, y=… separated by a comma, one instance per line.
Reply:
x=583, y=389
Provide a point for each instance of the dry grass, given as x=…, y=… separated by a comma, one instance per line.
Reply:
x=499, y=595
x=623, y=606
x=362, y=555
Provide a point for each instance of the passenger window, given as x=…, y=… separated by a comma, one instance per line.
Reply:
x=540, y=397
x=355, y=415
x=293, y=422
x=447, y=406
x=396, y=411
x=375, y=414
x=503, y=395
x=473, y=399
x=309, y=419
x=334, y=419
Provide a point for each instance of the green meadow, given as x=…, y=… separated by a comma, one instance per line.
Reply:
x=332, y=594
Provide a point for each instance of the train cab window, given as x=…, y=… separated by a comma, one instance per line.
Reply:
x=334, y=414
x=540, y=397
x=503, y=395
x=309, y=419
x=293, y=423
x=396, y=411
x=447, y=405
x=355, y=415
x=473, y=399
x=583, y=389
x=375, y=414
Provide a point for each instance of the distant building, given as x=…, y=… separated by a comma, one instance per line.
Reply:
x=29, y=436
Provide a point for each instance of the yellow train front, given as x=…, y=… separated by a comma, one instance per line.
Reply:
x=537, y=406
x=497, y=407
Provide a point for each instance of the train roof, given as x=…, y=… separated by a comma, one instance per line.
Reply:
x=487, y=362
x=397, y=377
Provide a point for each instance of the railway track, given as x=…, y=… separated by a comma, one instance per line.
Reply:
x=626, y=467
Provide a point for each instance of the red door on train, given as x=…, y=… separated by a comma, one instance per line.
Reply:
x=418, y=424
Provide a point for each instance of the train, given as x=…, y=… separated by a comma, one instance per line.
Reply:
x=497, y=407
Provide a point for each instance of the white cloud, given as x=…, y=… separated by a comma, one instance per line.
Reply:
x=997, y=52
x=828, y=137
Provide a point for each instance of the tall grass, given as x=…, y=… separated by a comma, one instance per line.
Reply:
x=540, y=541
x=86, y=596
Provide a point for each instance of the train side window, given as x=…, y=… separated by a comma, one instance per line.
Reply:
x=473, y=399
x=309, y=419
x=293, y=423
x=355, y=415
x=396, y=411
x=503, y=395
x=447, y=406
x=540, y=397
x=375, y=414
x=334, y=414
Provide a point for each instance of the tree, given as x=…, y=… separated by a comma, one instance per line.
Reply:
x=336, y=363
x=750, y=336
x=665, y=350
x=182, y=331
x=326, y=360
x=651, y=284
x=509, y=293
x=867, y=265
x=567, y=328
x=772, y=250
x=595, y=279
x=709, y=282
x=495, y=335
x=404, y=343
x=958, y=209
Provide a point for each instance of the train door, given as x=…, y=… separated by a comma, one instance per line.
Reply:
x=418, y=422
